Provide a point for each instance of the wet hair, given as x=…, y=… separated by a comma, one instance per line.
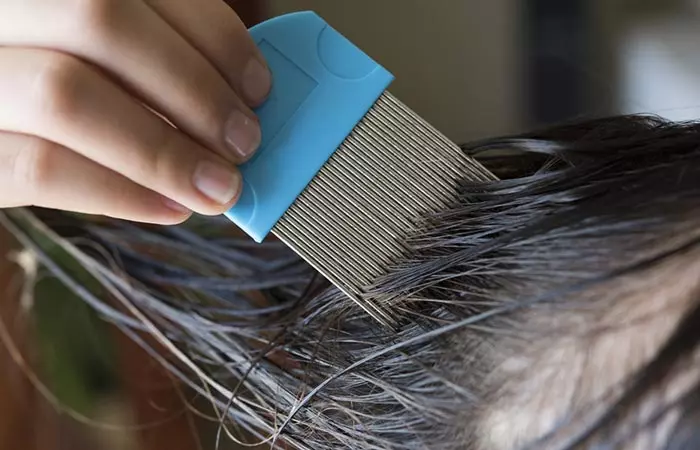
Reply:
x=557, y=308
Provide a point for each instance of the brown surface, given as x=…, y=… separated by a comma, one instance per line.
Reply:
x=27, y=420
x=154, y=398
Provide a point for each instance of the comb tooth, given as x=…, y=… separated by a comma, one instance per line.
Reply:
x=473, y=169
x=377, y=225
x=366, y=261
x=350, y=221
x=387, y=220
x=322, y=227
x=400, y=176
x=307, y=246
x=422, y=186
x=415, y=159
x=367, y=182
x=388, y=175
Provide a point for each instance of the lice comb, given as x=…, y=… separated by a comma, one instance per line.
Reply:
x=345, y=171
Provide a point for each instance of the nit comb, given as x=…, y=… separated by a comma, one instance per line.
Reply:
x=345, y=170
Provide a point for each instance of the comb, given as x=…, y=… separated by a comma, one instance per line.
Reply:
x=345, y=171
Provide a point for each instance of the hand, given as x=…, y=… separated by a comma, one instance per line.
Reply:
x=79, y=83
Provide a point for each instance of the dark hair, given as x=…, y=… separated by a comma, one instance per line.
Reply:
x=582, y=211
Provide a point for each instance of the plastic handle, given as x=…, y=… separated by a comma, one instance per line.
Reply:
x=323, y=85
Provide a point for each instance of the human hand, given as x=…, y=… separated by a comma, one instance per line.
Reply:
x=79, y=81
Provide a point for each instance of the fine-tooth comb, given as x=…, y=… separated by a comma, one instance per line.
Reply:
x=345, y=170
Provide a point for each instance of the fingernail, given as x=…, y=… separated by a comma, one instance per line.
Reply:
x=256, y=81
x=242, y=134
x=218, y=183
x=175, y=206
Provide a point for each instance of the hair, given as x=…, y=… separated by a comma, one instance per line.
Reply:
x=557, y=308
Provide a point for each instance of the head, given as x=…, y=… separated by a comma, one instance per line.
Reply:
x=558, y=308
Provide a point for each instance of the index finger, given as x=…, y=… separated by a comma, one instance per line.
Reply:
x=214, y=29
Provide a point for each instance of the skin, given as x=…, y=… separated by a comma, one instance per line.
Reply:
x=133, y=109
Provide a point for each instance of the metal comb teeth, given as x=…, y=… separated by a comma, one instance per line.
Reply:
x=350, y=221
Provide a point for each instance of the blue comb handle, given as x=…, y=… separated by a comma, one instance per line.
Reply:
x=322, y=87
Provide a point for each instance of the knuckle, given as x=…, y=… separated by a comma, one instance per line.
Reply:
x=157, y=159
x=94, y=17
x=31, y=168
x=56, y=88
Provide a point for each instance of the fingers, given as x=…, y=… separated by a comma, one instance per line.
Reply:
x=40, y=173
x=217, y=32
x=63, y=100
x=136, y=46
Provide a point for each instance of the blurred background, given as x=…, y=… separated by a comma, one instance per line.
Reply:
x=473, y=68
